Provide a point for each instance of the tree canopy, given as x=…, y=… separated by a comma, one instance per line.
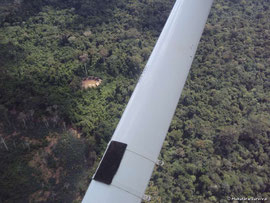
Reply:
x=53, y=132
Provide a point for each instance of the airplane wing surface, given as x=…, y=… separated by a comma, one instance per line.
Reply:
x=127, y=165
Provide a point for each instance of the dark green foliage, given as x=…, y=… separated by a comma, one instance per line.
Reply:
x=218, y=142
x=47, y=48
x=70, y=152
x=226, y=140
x=13, y=177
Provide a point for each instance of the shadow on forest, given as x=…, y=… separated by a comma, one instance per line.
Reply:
x=18, y=11
x=154, y=16
x=22, y=90
x=10, y=54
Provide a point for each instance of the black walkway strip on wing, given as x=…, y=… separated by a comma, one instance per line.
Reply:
x=110, y=162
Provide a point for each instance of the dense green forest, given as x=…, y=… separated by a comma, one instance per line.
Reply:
x=53, y=132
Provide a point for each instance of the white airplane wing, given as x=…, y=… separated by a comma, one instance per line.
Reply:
x=127, y=165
